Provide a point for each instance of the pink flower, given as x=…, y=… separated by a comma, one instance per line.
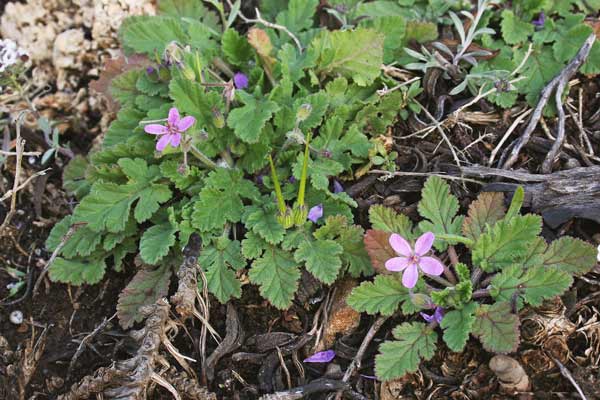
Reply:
x=171, y=132
x=410, y=261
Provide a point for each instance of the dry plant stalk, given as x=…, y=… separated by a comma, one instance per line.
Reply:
x=20, y=365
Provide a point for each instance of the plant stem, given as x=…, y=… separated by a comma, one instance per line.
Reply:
x=278, y=194
x=440, y=280
x=481, y=293
x=303, y=177
x=202, y=157
x=455, y=238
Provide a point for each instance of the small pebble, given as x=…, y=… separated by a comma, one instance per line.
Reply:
x=572, y=163
x=16, y=317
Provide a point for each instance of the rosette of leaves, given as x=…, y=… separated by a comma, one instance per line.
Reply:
x=505, y=265
x=135, y=201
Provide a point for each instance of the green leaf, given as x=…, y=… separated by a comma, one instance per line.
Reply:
x=74, y=180
x=219, y=263
x=384, y=295
x=263, y=221
x=568, y=42
x=355, y=54
x=221, y=199
x=124, y=89
x=516, y=203
x=191, y=98
x=253, y=245
x=77, y=272
x=485, y=211
x=83, y=242
x=415, y=342
x=439, y=206
x=457, y=325
x=514, y=30
x=540, y=68
x=236, y=48
x=570, y=255
x=386, y=219
x=156, y=242
x=394, y=28
x=107, y=206
x=191, y=176
x=122, y=129
x=507, y=242
x=147, y=286
x=277, y=275
x=249, y=120
x=299, y=15
x=150, y=35
x=322, y=258
x=497, y=327
x=535, y=285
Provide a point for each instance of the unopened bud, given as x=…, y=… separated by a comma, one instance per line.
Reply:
x=303, y=112
x=422, y=300
x=218, y=118
x=295, y=136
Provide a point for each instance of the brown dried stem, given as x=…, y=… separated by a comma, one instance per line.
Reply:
x=559, y=82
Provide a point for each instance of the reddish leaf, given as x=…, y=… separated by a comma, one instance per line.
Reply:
x=112, y=68
x=379, y=249
x=488, y=208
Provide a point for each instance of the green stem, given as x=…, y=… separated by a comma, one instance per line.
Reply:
x=280, y=201
x=455, y=238
x=303, y=177
x=203, y=157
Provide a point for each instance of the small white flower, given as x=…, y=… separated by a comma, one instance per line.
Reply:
x=598, y=256
x=10, y=54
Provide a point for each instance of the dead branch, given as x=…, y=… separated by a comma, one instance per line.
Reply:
x=567, y=374
x=560, y=196
x=316, y=386
x=232, y=341
x=559, y=83
x=188, y=387
x=84, y=342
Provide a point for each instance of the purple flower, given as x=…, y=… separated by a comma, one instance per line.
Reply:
x=150, y=70
x=315, y=213
x=410, y=261
x=337, y=187
x=437, y=316
x=171, y=132
x=292, y=179
x=241, y=80
x=540, y=21
x=321, y=357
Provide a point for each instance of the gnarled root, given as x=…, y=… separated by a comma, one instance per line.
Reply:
x=130, y=379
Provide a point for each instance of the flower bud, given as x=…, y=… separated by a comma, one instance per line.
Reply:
x=218, y=118
x=295, y=136
x=421, y=300
x=303, y=112
x=189, y=73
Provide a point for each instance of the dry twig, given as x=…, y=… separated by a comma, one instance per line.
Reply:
x=559, y=82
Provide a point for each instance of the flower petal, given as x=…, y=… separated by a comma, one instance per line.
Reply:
x=397, y=264
x=163, y=142
x=426, y=317
x=173, y=116
x=424, y=243
x=410, y=276
x=315, y=213
x=175, y=139
x=240, y=80
x=431, y=266
x=185, y=123
x=155, y=129
x=321, y=357
x=400, y=245
x=438, y=314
